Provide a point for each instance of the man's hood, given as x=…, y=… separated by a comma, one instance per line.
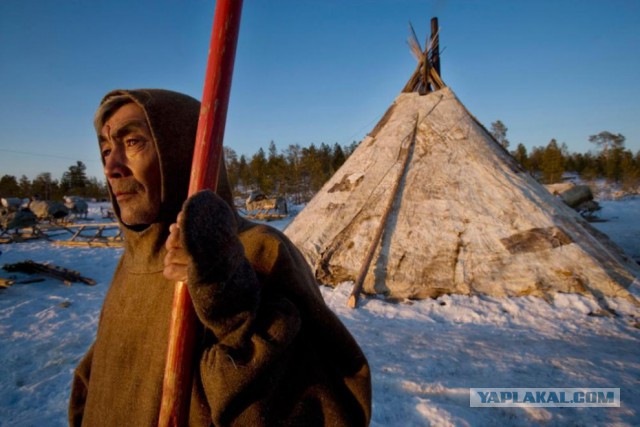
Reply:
x=173, y=121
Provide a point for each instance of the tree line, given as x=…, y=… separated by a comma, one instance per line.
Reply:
x=611, y=160
x=74, y=182
x=299, y=172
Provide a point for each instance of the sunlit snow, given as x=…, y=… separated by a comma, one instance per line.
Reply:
x=424, y=355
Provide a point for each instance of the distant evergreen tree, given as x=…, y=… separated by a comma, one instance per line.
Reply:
x=74, y=181
x=325, y=156
x=9, y=186
x=552, y=166
x=233, y=165
x=535, y=159
x=25, y=186
x=293, y=157
x=312, y=173
x=244, y=172
x=96, y=189
x=520, y=154
x=612, y=162
x=277, y=169
x=577, y=162
x=337, y=157
x=46, y=188
x=258, y=166
x=351, y=148
x=630, y=172
x=499, y=132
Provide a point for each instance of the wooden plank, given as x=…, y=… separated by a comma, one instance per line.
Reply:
x=94, y=243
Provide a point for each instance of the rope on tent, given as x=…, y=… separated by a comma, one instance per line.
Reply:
x=357, y=287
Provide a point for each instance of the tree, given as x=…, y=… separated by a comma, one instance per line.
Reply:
x=25, y=186
x=244, y=172
x=311, y=167
x=613, y=164
x=45, y=187
x=74, y=180
x=587, y=166
x=552, y=163
x=499, y=132
x=258, y=166
x=535, y=159
x=276, y=169
x=349, y=149
x=233, y=166
x=96, y=189
x=9, y=186
x=606, y=141
x=325, y=154
x=338, y=157
x=521, y=156
x=630, y=172
x=293, y=157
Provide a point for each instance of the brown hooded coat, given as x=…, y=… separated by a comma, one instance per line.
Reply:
x=270, y=351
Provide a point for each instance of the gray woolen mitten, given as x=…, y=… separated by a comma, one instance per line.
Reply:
x=209, y=233
x=222, y=283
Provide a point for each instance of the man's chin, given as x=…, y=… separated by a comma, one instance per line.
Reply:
x=134, y=219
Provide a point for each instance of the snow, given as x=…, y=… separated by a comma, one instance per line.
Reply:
x=621, y=223
x=424, y=355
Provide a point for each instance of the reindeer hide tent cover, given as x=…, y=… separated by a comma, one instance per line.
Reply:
x=466, y=218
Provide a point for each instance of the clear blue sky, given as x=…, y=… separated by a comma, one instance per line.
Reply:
x=316, y=70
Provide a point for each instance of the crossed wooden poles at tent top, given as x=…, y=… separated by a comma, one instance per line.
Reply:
x=426, y=77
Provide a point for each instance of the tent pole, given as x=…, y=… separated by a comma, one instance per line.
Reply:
x=435, y=45
x=362, y=274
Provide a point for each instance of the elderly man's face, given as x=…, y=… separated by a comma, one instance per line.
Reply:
x=131, y=165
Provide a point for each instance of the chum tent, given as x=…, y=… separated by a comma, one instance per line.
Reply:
x=430, y=204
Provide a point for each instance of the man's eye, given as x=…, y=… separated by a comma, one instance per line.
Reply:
x=105, y=153
x=130, y=142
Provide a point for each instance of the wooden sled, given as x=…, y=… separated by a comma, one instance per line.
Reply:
x=266, y=216
x=22, y=234
x=92, y=235
x=263, y=214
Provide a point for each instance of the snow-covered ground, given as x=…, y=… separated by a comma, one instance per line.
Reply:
x=424, y=355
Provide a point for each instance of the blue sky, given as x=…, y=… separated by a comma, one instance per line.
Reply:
x=316, y=70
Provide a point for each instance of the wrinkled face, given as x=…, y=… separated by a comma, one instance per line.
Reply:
x=131, y=165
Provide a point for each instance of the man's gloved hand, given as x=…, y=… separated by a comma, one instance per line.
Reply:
x=203, y=246
x=203, y=249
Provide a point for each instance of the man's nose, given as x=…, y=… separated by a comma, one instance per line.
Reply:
x=115, y=164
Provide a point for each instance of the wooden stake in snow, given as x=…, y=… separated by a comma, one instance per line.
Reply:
x=176, y=388
x=357, y=287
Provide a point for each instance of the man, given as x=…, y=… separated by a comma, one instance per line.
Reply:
x=269, y=350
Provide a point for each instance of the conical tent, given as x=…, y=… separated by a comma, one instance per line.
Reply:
x=463, y=216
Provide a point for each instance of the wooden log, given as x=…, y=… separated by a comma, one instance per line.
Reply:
x=90, y=243
x=362, y=274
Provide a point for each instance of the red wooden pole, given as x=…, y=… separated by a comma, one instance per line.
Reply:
x=176, y=388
